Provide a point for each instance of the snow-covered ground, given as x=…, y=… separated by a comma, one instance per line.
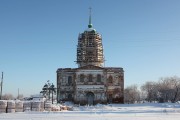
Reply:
x=155, y=111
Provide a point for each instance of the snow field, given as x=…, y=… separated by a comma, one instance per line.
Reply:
x=149, y=111
x=87, y=116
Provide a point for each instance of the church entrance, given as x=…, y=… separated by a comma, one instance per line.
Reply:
x=110, y=98
x=90, y=98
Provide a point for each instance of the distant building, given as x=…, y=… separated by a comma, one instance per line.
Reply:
x=91, y=82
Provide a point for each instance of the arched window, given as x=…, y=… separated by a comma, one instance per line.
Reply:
x=90, y=77
x=110, y=79
x=70, y=80
x=98, y=78
x=81, y=78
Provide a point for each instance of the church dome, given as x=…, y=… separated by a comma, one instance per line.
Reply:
x=90, y=30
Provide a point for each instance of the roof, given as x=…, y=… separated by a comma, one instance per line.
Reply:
x=90, y=67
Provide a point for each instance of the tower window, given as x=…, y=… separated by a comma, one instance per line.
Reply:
x=81, y=78
x=110, y=79
x=98, y=78
x=70, y=80
x=90, y=77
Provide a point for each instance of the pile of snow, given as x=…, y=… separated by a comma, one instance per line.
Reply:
x=37, y=106
x=26, y=106
x=18, y=106
x=10, y=106
x=56, y=107
x=3, y=105
x=48, y=106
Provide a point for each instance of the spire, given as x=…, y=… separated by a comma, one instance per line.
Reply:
x=90, y=24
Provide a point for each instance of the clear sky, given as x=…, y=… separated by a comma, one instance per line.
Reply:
x=39, y=36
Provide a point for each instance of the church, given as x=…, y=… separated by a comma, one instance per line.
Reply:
x=91, y=82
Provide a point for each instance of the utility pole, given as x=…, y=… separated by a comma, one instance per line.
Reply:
x=18, y=94
x=1, y=86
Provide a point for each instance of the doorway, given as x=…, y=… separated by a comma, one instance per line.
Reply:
x=90, y=98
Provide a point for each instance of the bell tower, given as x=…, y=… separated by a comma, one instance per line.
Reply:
x=90, y=48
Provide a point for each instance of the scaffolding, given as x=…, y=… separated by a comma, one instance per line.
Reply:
x=90, y=49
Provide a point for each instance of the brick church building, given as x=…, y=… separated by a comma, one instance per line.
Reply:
x=91, y=82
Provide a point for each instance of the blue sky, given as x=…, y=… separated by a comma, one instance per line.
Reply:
x=39, y=36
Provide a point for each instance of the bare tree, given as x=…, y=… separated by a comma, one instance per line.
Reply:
x=7, y=97
x=143, y=96
x=131, y=94
x=175, y=87
x=150, y=88
x=165, y=90
x=169, y=89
